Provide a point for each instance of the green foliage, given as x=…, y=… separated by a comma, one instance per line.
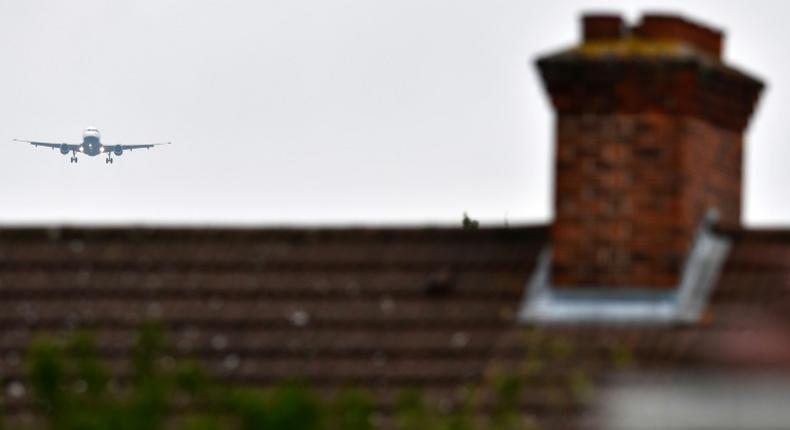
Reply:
x=47, y=375
x=72, y=390
x=202, y=422
x=461, y=415
x=91, y=376
x=411, y=413
x=505, y=413
x=351, y=410
x=292, y=407
x=191, y=379
x=249, y=408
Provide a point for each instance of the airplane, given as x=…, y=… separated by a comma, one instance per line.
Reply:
x=91, y=145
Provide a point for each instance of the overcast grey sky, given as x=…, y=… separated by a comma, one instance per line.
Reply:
x=323, y=111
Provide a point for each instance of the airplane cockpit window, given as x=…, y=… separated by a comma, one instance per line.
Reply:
x=91, y=132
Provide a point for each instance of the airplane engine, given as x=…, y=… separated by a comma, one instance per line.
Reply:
x=117, y=151
x=64, y=149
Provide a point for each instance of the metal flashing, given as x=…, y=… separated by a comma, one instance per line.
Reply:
x=685, y=303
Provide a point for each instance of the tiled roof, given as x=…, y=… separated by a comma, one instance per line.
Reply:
x=381, y=308
x=385, y=308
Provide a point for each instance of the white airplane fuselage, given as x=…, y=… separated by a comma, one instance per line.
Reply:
x=91, y=142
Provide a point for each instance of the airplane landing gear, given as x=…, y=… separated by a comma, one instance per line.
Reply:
x=73, y=159
x=108, y=160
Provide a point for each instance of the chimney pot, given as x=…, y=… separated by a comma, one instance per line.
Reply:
x=602, y=27
x=678, y=29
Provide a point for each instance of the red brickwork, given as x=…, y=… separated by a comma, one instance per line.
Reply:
x=646, y=144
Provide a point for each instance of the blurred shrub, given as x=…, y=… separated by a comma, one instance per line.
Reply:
x=71, y=389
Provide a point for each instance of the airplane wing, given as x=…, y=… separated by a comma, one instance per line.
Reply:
x=108, y=148
x=70, y=146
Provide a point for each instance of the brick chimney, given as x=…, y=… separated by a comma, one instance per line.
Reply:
x=649, y=129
